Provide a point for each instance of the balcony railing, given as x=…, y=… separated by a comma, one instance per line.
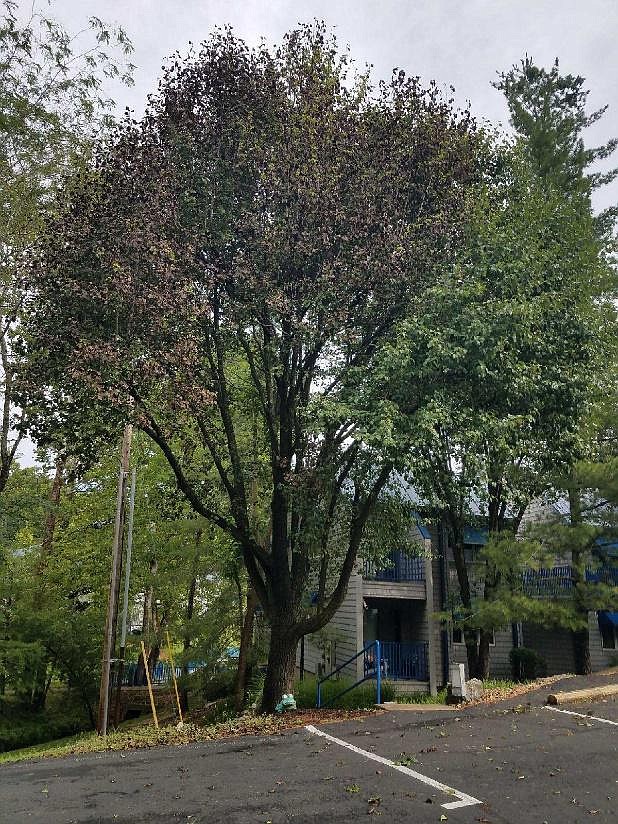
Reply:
x=548, y=583
x=161, y=674
x=399, y=661
x=603, y=575
x=401, y=567
x=557, y=582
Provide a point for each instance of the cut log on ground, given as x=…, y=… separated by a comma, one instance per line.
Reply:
x=590, y=694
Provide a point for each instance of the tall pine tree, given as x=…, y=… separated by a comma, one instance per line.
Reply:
x=548, y=112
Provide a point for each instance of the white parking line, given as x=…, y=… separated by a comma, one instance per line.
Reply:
x=465, y=800
x=582, y=715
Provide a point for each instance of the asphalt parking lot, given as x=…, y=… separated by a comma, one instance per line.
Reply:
x=503, y=763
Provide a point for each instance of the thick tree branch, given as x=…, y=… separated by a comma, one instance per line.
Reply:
x=361, y=511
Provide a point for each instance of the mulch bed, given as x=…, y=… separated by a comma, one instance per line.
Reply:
x=256, y=724
x=315, y=716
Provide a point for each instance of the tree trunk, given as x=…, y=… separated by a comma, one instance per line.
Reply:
x=186, y=643
x=246, y=640
x=463, y=579
x=49, y=527
x=302, y=659
x=581, y=648
x=158, y=625
x=482, y=669
x=89, y=707
x=153, y=657
x=581, y=637
x=281, y=664
x=472, y=652
x=7, y=450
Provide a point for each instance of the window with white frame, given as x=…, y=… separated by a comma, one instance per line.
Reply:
x=458, y=637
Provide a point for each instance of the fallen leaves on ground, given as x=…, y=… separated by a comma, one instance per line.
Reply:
x=147, y=736
x=501, y=693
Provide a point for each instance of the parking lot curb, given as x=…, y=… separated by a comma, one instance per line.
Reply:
x=391, y=706
x=588, y=694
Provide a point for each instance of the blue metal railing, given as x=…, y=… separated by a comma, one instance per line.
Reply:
x=392, y=660
x=557, y=582
x=371, y=649
x=547, y=583
x=603, y=575
x=161, y=674
x=405, y=660
x=402, y=567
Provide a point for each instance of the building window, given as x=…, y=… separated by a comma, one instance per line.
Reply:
x=608, y=636
x=458, y=637
x=608, y=629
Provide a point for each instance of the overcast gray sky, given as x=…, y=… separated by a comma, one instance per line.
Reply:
x=459, y=42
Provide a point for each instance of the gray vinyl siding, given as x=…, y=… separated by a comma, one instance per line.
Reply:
x=537, y=511
x=343, y=635
x=395, y=589
x=457, y=653
x=554, y=645
x=499, y=661
x=312, y=655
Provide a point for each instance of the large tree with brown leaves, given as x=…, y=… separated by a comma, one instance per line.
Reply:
x=228, y=269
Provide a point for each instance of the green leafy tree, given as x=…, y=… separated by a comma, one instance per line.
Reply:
x=52, y=105
x=493, y=373
x=273, y=211
x=548, y=112
x=21, y=526
x=53, y=601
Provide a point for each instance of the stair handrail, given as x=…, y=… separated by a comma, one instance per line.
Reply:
x=365, y=677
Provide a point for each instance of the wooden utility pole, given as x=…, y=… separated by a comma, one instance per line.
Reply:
x=109, y=641
x=125, y=601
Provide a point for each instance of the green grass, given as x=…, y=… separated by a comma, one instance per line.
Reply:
x=123, y=739
x=361, y=697
x=491, y=684
x=501, y=684
x=145, y=736
x=62, y=746
x=422, y=698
